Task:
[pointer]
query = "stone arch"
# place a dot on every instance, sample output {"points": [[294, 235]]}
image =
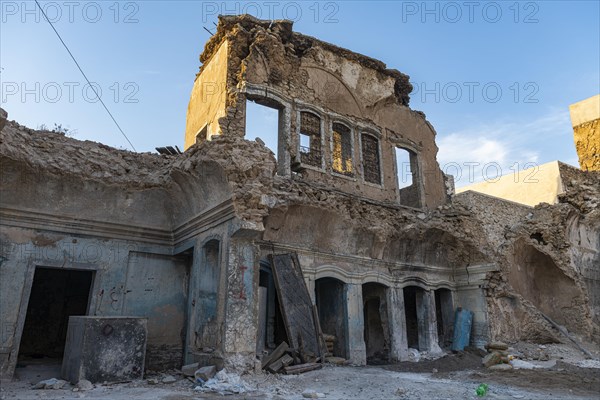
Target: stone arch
{"points": [[327, 85], [331, 302], [536, 276], [376, 323]]}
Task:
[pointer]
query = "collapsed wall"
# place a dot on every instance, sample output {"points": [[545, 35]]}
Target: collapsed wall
{"points": [[549, 258]]}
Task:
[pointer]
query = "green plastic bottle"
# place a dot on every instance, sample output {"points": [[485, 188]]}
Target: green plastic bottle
{"points": [[482, 390]]}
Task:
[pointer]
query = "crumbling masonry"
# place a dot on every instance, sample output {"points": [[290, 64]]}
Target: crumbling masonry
{"points": [[184, 240]]}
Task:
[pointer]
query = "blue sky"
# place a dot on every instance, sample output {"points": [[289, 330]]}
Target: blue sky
{"points": [[494, 78]]}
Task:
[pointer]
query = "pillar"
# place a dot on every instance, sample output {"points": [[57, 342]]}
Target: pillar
{"points": [[397, 324], [356, 349], [241, 324], [427, 322]]}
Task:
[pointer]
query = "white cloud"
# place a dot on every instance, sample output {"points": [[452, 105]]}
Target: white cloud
{"points": [[498, 148]]}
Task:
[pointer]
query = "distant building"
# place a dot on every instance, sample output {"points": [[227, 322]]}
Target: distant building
{"points": [[585, 117], [532, 186]]}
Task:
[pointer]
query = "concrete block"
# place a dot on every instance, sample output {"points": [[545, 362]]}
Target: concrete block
{"points": [[104, 349], [190, 369], [496, 346], [206, 373], [491, 359]]}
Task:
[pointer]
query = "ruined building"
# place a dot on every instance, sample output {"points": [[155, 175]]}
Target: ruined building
{"points": [[185, 240]]}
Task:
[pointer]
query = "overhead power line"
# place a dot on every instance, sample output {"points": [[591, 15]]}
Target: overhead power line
{"points": [[84, 75]]}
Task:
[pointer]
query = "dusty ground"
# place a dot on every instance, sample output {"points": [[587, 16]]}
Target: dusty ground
{"points": [[455, 376]]}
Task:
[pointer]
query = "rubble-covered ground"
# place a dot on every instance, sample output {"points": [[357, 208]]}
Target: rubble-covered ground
{"points": [[555, 371]]}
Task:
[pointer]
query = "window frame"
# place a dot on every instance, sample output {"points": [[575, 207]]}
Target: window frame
{"points": [[377, 135], [319, 115], [351, 127]]}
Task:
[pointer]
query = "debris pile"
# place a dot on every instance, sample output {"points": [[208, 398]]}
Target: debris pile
{"points": [[497, 357]]}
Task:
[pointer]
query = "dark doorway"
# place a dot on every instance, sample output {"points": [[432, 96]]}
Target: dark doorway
{"points": [[412, 322], [271, 331], [55, 295], [376, 323], [331, 306], [444, 311]]}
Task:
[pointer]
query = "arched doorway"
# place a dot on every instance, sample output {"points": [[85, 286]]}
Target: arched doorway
{"points": [[444, 311], [377, 332], [415, 318], [331, 305]]}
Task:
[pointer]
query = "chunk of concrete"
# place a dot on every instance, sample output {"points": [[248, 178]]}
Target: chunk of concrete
{"points": [[91, 338], [496, 346], [501, 367], [84, 385], [169, 379], [312, 394], [206, 373], [491, 359], [336, 360], [520, 364], [190, 369], [52, 383]]}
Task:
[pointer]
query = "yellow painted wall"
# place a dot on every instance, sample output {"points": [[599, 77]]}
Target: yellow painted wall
{"points": [[207, 101], [530, 187], [585, 117], [585, 111]]}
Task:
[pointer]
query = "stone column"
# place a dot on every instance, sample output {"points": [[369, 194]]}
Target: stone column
{"points": [[397, 324], [310, 285], [242, 305], [427, 322], [356, 350]]}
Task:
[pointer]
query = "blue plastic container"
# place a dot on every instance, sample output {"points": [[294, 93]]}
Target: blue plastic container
{"points": [[463, 320]]}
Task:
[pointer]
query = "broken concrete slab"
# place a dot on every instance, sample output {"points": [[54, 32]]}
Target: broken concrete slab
{"points": [[496, 346], [491, 359], [52, 383], [84, 385], [205, 373], [122, 340], [312, 394], [336, 360], [501, 367], [190, 369]]}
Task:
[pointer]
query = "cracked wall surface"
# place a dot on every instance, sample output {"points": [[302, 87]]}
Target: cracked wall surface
{"points": [[212, 213], [269, 63]]}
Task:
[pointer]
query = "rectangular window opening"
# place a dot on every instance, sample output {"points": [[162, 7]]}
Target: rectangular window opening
{"points": [[409, 187], [342, 150], [304, 143], [404, 168], [310, 139], [263, 122], [370, 154]]}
